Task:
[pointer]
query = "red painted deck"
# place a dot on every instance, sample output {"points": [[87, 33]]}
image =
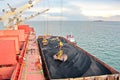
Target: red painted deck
{"points": [[32, 66]]}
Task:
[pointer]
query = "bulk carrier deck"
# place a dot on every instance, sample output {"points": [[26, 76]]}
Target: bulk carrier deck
{"points": [[23, 57], [24, 64], [32, 64]]}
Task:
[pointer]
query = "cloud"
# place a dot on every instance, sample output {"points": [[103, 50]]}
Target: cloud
{"points": [[52, 14], [48, 17], [101, 13], [70, 9], [35, 10], [58, 10], [97, 10], [51, 10], [64, 12]]}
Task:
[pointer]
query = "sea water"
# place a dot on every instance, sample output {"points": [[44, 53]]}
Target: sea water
{"points": [[101, 39]]}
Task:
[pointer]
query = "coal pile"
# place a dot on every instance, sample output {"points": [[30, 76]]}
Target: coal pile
{"points": [[78, 63]]}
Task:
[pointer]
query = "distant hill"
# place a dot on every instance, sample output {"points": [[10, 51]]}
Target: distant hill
{"points": [[98, 20]]}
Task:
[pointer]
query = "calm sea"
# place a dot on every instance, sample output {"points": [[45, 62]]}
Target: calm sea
{"points": [[101, 39]]}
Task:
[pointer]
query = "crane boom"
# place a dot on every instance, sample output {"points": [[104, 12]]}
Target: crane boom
{"points": [[11, 8], [26, 18], [11, 20], [32, 16], [18, 10], [36, 14]]}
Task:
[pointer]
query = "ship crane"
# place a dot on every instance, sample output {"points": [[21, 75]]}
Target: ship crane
{"points": [[14, 12], [18, 21], [8, 14], [11, 8], [32, 16]]}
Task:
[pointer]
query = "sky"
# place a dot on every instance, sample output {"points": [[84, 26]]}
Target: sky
{"points": [[83, 10]]}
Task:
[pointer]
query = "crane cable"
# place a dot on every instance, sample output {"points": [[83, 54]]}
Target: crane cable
{"points": [[61, 15], [48, 3], [44, 21]]}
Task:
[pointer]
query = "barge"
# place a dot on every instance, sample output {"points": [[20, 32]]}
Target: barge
{"points": [[79, 65]]}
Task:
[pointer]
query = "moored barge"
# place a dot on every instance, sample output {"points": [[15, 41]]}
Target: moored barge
{"points": [[79, 65]]}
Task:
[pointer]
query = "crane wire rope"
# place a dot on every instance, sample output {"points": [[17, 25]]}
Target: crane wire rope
{"points": [[48, 5], [61, 17], [44, 20]]}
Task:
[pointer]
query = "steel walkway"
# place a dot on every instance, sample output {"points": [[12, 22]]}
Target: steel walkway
{"points": [[32, 66]]}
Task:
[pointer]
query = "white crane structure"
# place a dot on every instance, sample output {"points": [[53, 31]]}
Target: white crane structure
{"points": [[12, 17]]}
